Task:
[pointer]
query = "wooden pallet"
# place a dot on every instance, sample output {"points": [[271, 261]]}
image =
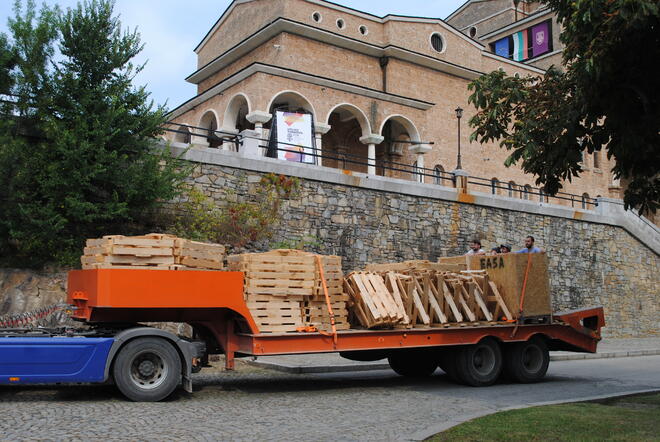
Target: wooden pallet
{"points": [[292, 276], [154, 251], [424, 298]]}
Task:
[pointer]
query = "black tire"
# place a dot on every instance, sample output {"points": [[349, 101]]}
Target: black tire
{"points": [[480, 364], [147, 369], [448, 364], [526, 362], [413, 364]]}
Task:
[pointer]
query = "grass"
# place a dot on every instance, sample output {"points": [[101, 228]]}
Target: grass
{"points": [[630, 418]]}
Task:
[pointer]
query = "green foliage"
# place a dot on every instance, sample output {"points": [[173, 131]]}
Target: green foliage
{"points": [[89, 166], [607, 98], [197, 217], [239, 223], [302, 243]]}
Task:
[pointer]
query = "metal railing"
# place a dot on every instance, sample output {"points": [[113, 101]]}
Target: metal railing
{"points": [[350, 161]]}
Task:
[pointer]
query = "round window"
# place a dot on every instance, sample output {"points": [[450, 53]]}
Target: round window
{"points": [[317, 17], [363, 30], [341, 24], [437, 42]]}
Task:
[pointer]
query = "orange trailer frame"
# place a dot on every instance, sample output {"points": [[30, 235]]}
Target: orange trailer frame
{"points": [[213, 301]]}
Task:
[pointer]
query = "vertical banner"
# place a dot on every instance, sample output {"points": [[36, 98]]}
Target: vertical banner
{"points": [[502, 47], [520, 45], [294, 137], [540, 38]]}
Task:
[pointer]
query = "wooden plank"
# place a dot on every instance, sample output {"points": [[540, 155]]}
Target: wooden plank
{"points": [[420, 307], [433, 303], [438, 299], [468, 310], [500, 301], [384, 293], [377, 297], [201, 263], [482, 305], [450, 301], [365, 296], [396, 294]]}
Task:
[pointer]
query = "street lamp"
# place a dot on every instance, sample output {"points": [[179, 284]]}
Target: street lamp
{"points": [[459, 114]]}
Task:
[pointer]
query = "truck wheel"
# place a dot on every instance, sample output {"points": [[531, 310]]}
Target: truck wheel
{"points": [[413, 364], [480, 364], [147, 369], [526, 362]]}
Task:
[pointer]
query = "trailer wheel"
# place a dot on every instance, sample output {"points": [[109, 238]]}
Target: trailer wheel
{"points": [[526, 362], [479, 364], [147, 369], [413, 364]]}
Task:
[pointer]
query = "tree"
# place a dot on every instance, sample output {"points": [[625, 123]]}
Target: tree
{"points": [[92, 168], [606, 98]]}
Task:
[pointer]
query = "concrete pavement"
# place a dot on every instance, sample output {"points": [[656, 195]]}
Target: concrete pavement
{"points": [[258, 404]]}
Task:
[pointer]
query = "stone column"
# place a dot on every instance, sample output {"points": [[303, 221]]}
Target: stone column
{"points": [[371, 140], [259, 118], [320, 129], [420, 150], [250, 144], [460, 180], [228, 144]]}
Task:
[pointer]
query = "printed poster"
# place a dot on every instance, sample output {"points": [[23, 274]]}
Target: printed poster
{"points": [[294, 137], [520, 45]]}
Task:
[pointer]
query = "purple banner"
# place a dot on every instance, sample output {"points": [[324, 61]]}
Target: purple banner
{"points": [[540, 38]]}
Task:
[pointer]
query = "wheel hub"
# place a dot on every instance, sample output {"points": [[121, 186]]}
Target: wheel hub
{"points": [[146, 368]]}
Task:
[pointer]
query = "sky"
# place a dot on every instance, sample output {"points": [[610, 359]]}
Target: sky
{"points": [[171, 29]]}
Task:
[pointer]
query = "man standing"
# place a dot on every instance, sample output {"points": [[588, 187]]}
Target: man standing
{"points": [[475, 248], [529, 246]]}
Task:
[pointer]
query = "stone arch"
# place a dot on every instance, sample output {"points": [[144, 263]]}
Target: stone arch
{"points": [[294, 100], [408, 125], [355, 112], [234, 118], [399, 134], [208, 125], [182, 135]]}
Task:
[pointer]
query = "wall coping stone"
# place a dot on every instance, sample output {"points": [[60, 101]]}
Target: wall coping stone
{"points": [[609, 211]]}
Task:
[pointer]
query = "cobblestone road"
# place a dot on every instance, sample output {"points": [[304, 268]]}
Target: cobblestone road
{"points": [[258, 404]]}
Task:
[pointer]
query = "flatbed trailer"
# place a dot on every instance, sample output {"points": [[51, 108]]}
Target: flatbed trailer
{"points": [[148, 363]]}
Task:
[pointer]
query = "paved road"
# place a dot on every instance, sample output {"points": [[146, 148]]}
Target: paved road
{"points": [[259, 404]]}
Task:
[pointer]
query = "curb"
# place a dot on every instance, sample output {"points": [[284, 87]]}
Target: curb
{"points": [[299, 369], [439, 428]]}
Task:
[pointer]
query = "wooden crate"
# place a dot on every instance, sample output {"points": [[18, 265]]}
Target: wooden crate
{"points": [[276, 315], [507, 272]]}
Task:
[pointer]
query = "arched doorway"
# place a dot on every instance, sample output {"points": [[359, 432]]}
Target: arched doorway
{"points": [[341, 145], [234, 118], [208, 126], [393, 156], [290, 102]]}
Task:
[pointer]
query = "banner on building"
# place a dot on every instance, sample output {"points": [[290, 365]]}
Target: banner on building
{"points": [[540, 38], [520, 45], [294, 137], [502, 47]]}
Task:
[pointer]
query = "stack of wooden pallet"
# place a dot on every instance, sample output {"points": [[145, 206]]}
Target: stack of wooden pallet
{"points": [[153, 251], [424, 297], [284, 293]]}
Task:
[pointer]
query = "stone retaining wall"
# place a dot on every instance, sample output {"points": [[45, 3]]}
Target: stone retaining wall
{"points": [[590, 263]]}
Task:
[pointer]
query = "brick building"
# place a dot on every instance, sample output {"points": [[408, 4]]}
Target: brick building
{"points": [[382, 91]]}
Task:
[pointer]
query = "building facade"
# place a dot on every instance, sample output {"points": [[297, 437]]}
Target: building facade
{"points": [[382, 91]]}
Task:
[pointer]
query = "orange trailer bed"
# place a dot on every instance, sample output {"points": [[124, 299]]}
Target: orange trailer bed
{"points": [[213, 301]]}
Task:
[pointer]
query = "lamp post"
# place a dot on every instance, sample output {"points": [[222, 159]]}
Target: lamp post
{"points": [[459, 114]]}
